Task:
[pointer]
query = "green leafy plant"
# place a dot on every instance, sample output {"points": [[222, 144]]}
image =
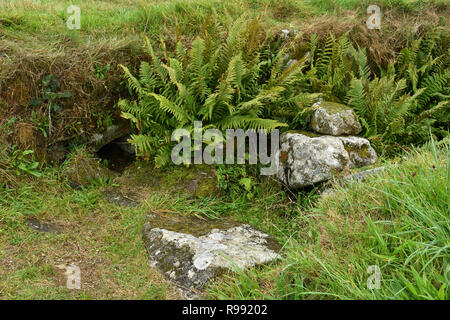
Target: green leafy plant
{"points": [[226, 84], [391, 111], [41, 123], [50, 95], [397, 106], [425, 64], [100, 70], [332, 64], [23, 162], [236, 181], [331, 67]]}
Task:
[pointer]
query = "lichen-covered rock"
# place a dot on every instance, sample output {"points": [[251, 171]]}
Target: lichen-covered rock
{"points": [[190, 251], [362, 175], [304, 161], [360, 151], [334, 119]]}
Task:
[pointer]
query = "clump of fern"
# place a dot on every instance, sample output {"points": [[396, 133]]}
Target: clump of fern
{"points": [[404, 103], [225, 83], [425, 65], [331, 66], [398, 106]]}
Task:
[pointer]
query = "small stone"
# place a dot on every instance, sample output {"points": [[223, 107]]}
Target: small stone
{"points": [[334, 119], [360, 151]]}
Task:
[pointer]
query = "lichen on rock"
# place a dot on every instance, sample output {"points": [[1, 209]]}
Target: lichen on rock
{"points": [[191, 251], [310, 160], [360, 151], [305, 161], [334, 119]]}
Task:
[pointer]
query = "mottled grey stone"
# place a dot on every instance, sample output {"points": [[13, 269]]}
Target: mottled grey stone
{"points": [[304, 161], [190, 251], [334, 119], [360, 151]]}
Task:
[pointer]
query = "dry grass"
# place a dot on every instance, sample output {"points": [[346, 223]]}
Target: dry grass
{"points": [[74, 67], [382, 45]]}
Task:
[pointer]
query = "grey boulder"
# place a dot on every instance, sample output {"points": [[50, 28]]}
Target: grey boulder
{"points": [[304, 161], [334, 119]]}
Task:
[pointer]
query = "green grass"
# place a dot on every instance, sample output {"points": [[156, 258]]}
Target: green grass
{"points": [[398, 221], [124, 18], [103, 239]]}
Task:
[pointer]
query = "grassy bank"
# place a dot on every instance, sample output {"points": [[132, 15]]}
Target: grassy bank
{"points": [[398, 222], [59, 86], [35, 43]]}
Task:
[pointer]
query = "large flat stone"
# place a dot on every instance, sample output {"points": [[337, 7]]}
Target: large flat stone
{"points": [[191, 251]]}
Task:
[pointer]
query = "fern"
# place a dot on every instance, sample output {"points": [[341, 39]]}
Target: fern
{"points": [[235, 76], [226, 84]]}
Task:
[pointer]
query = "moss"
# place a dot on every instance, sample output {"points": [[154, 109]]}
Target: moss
{"points": [[305, 133], [333, 107], [206, 187], [363, 152], [196, 180]]}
